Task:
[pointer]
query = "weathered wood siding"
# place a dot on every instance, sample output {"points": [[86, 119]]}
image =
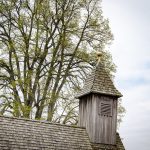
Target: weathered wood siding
{"points": [[101, 129], [87, 115]]}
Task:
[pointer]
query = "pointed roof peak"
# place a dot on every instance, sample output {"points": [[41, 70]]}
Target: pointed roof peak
{"points": [[99, 82], [99, 56]]}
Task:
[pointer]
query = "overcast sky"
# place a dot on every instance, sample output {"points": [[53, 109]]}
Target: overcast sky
{"points": [[130, 24]]}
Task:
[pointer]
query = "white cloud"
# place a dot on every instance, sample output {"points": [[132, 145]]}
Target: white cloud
{"points": [[130, 23], [136, 124]]}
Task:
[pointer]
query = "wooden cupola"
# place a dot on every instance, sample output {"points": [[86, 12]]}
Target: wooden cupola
{"points": [[98, 106]]}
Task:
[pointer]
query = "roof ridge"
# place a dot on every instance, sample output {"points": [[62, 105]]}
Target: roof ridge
{"points": [[97, 67], [93, 78], [41, 121]]}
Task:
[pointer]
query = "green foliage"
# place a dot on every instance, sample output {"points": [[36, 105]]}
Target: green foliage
{"points": [[121, 111], [46, 50]]}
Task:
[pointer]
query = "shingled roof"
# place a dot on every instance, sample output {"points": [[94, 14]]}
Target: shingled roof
{"points": [[118, 146], [99, 82], [16, 134]]}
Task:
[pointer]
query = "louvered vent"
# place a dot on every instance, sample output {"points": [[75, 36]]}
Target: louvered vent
{"points": [[105, 109]]}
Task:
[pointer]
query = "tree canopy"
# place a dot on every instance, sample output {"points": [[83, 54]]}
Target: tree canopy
{"points": [[47, 48]]}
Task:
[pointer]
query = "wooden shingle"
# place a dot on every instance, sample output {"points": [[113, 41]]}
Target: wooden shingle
{"points": [[118, 146], [99, 82], [16, 134], [24, 134]]}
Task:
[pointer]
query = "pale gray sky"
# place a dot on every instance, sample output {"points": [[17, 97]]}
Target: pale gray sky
{"points": [[130, 24]]}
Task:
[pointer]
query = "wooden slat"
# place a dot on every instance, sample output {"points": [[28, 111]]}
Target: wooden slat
{"points": [[101, 128], [105, 109]]}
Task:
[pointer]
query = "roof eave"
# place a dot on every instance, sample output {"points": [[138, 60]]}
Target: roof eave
{"points": [[96, 92]]}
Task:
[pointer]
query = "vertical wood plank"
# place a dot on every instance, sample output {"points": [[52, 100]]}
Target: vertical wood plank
{"points": [[101, 129]]}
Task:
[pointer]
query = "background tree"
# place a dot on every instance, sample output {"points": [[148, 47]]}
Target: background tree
{"points": [[47, 48]]}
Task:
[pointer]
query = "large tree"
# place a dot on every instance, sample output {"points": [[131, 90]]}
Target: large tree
{"points": [[46, 50]]}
